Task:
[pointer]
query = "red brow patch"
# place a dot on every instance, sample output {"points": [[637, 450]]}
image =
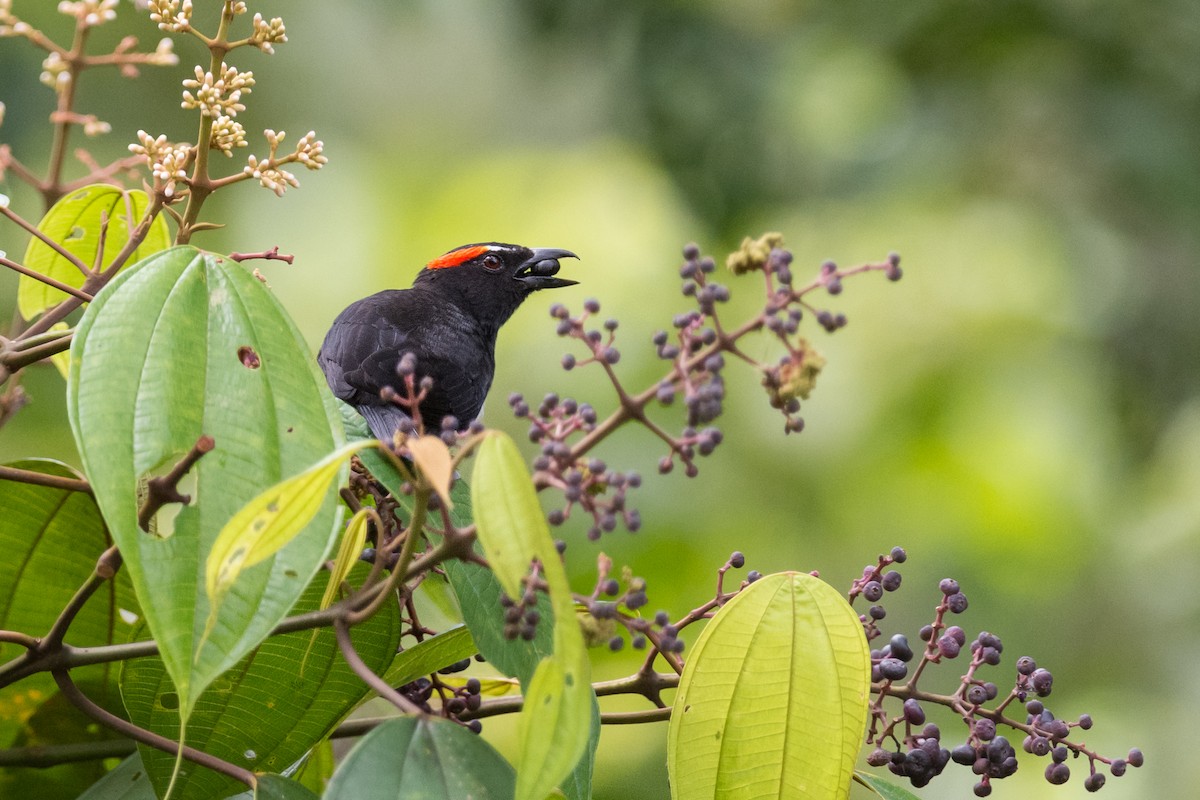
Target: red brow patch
{"points": [[456, 257]]}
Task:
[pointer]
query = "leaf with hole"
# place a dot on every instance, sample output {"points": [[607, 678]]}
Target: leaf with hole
{"points": [[157, 361], [75, 222]]}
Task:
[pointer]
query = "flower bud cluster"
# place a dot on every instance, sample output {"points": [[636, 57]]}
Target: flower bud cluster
{"points": [[218, 95], [171, 15], [168, 162], [309, 152], [268, 33], [90, 13]]}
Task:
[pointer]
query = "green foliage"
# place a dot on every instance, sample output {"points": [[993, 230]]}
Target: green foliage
{"points": [[276, 787], [554, 727], [885, 789], [51, 538], [269, 709], [143, 389], [75, 222], [126, 781], [422, 759], [773, 700]]}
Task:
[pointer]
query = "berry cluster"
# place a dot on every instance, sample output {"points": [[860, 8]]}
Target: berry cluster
{"points": [[456, 700], [696, 349], [586, 483], [521, 617], [609, 605], [910, 747]]}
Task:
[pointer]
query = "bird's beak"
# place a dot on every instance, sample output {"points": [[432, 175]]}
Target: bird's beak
{"points": [[540, 270]]}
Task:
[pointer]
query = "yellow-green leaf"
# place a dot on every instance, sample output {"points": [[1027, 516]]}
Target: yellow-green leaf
{"points": [[432, 457], [353, 541], [270, 521], [555, 723], [75, 222], [773, 698], [61, 361]]}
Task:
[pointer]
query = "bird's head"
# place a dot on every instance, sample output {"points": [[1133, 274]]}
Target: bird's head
{"points": [[490, 280]]}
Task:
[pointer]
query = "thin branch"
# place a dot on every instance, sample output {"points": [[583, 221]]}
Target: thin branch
{"points": [[46, 279], [106, 567], [32, 230], [51, 755], [366, 674], [20, 357], [16, 637], [112, 721], [42, 479], [266, 255], [165, 489]]}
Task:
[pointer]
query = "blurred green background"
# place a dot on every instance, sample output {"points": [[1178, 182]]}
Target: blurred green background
{"points": [[1022, 411]]}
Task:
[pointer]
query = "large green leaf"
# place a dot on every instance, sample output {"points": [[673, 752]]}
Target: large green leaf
{"points": [[277, 787], [431, 655], [74, 222], [266, 525], [479, 595], [423, 758], [270, 709], [885, 789], [555, 723], [50, 539], [773, 698], [185, 344], [127, 781]]}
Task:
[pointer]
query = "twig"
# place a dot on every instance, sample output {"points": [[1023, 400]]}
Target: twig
{"points": [[42, 479], [368, 676], [266, 255], [33, 230], [165, 489], [46, 279], [106, 567], [108, 720]]}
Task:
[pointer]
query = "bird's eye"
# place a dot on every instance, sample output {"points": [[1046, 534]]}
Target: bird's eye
{"points": [[492, 262]]}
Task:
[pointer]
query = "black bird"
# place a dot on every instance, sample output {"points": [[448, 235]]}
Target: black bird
{"points": [[448, 320]]}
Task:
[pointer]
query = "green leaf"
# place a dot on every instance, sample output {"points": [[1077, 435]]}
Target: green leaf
{"points": [[885, 789], [271, 709], [162, 356], [74, 222], [479, 595], [277, 787], [267, 523], [578, 785], [555, 722], [431, 655], [423, 758], [773, 698], [512, 527], [51, 539], [317, 768], [127, 781]]}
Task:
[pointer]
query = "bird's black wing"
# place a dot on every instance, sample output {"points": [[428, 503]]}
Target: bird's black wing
{"points": [[359, 358]]}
